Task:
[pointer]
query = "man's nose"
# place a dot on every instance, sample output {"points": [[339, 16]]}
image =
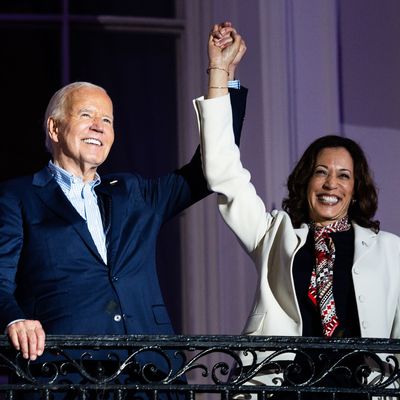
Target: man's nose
{"points": [[97, 125]]}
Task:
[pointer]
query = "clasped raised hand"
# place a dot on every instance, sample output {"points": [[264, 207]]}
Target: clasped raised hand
{"points": [[225, 47]]}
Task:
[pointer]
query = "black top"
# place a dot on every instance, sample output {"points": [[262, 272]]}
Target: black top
{"points": [[343, 288]]}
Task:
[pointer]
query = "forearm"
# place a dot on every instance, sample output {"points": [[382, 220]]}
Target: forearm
{"points": [[218, 76], [239, 204], [193, 172], [220, 155]]}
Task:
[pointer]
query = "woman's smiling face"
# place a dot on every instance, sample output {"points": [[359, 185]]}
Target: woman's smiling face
{"points": [[331, 186]]}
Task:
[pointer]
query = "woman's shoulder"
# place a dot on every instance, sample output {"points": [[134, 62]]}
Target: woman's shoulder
{"points": [[281, 220], [280, 215], [384, 235], [389, 241], [381, 235]]}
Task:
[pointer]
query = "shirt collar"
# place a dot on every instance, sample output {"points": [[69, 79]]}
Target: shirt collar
{"points": [[66, 179]]}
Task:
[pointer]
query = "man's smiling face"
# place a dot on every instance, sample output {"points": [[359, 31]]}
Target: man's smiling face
{"points": [[83, 139]]}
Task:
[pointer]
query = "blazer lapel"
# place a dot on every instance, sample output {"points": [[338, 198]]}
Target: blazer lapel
{"points": [[364, 240], [53, 197], [302, 233]]}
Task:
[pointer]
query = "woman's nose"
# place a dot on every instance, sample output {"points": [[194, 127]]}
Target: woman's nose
{"points": [[330, 182]]}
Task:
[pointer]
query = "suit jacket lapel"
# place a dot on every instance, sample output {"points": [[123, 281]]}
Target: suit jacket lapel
{"points": [[113, 197], [53, 197], [105, 206]]}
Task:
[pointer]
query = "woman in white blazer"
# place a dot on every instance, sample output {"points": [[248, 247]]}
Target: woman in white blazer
{"points": [[325, 268]]}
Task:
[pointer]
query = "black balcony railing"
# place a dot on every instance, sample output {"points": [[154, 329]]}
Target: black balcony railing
{"points": [[126, 367]]}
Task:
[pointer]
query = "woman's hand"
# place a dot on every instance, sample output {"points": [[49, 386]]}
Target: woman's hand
{"points": [[224, 46], [222, 38]]}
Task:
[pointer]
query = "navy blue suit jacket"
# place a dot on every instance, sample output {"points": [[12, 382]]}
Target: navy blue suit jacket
{"points": [[50, 269]]}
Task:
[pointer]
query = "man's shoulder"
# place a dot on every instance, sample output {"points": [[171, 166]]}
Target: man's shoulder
{"points": [[120, 177], [26, 184], [130, 183], [16, 189], [125, 181], [20, 182]]}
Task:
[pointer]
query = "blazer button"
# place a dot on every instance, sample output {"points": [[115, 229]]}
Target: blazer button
{"points": [[117, 318], [115, 278]]}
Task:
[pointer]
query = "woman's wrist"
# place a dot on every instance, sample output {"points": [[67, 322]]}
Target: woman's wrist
{"points": [[217, 83], [218, 68]]}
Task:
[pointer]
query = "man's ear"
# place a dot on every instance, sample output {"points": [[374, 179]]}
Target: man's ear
{"points": [[53, 129]]}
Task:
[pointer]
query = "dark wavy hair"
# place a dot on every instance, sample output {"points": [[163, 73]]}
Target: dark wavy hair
{"points": [[361, 210]]}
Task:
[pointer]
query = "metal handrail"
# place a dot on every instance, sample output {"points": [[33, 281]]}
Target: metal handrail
{"points": [[227, 365]]}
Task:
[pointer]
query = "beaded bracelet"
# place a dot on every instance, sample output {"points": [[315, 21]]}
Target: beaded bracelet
{"points": [[218, 87]]}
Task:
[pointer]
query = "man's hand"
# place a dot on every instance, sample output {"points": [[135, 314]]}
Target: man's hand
{"points": [[27, 336], [237, 59]]}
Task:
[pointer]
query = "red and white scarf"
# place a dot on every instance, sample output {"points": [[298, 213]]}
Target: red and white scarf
{"points": [[320, 290]]}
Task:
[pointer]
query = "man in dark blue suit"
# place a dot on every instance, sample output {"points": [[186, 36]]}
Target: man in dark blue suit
{"points": [[77, 252]]}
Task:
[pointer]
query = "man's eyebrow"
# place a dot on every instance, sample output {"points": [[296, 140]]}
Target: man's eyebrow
{"points": [[91, 110], [85, 109]]}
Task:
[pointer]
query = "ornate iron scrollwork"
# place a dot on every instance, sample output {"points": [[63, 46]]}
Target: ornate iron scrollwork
{"points": [[215, 364]]}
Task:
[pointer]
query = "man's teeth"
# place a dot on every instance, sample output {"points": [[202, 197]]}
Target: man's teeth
{"points": [[92, 141], [328, 199]]}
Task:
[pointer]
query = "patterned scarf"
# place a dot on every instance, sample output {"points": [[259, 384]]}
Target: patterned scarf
{"points": [[320, 290]]}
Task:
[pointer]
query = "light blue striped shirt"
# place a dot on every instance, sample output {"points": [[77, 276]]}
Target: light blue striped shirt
{"points": [[84, 199], [235, 84]]}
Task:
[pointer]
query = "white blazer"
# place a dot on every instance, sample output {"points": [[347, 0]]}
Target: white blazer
{"points": [[272, 242]]}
